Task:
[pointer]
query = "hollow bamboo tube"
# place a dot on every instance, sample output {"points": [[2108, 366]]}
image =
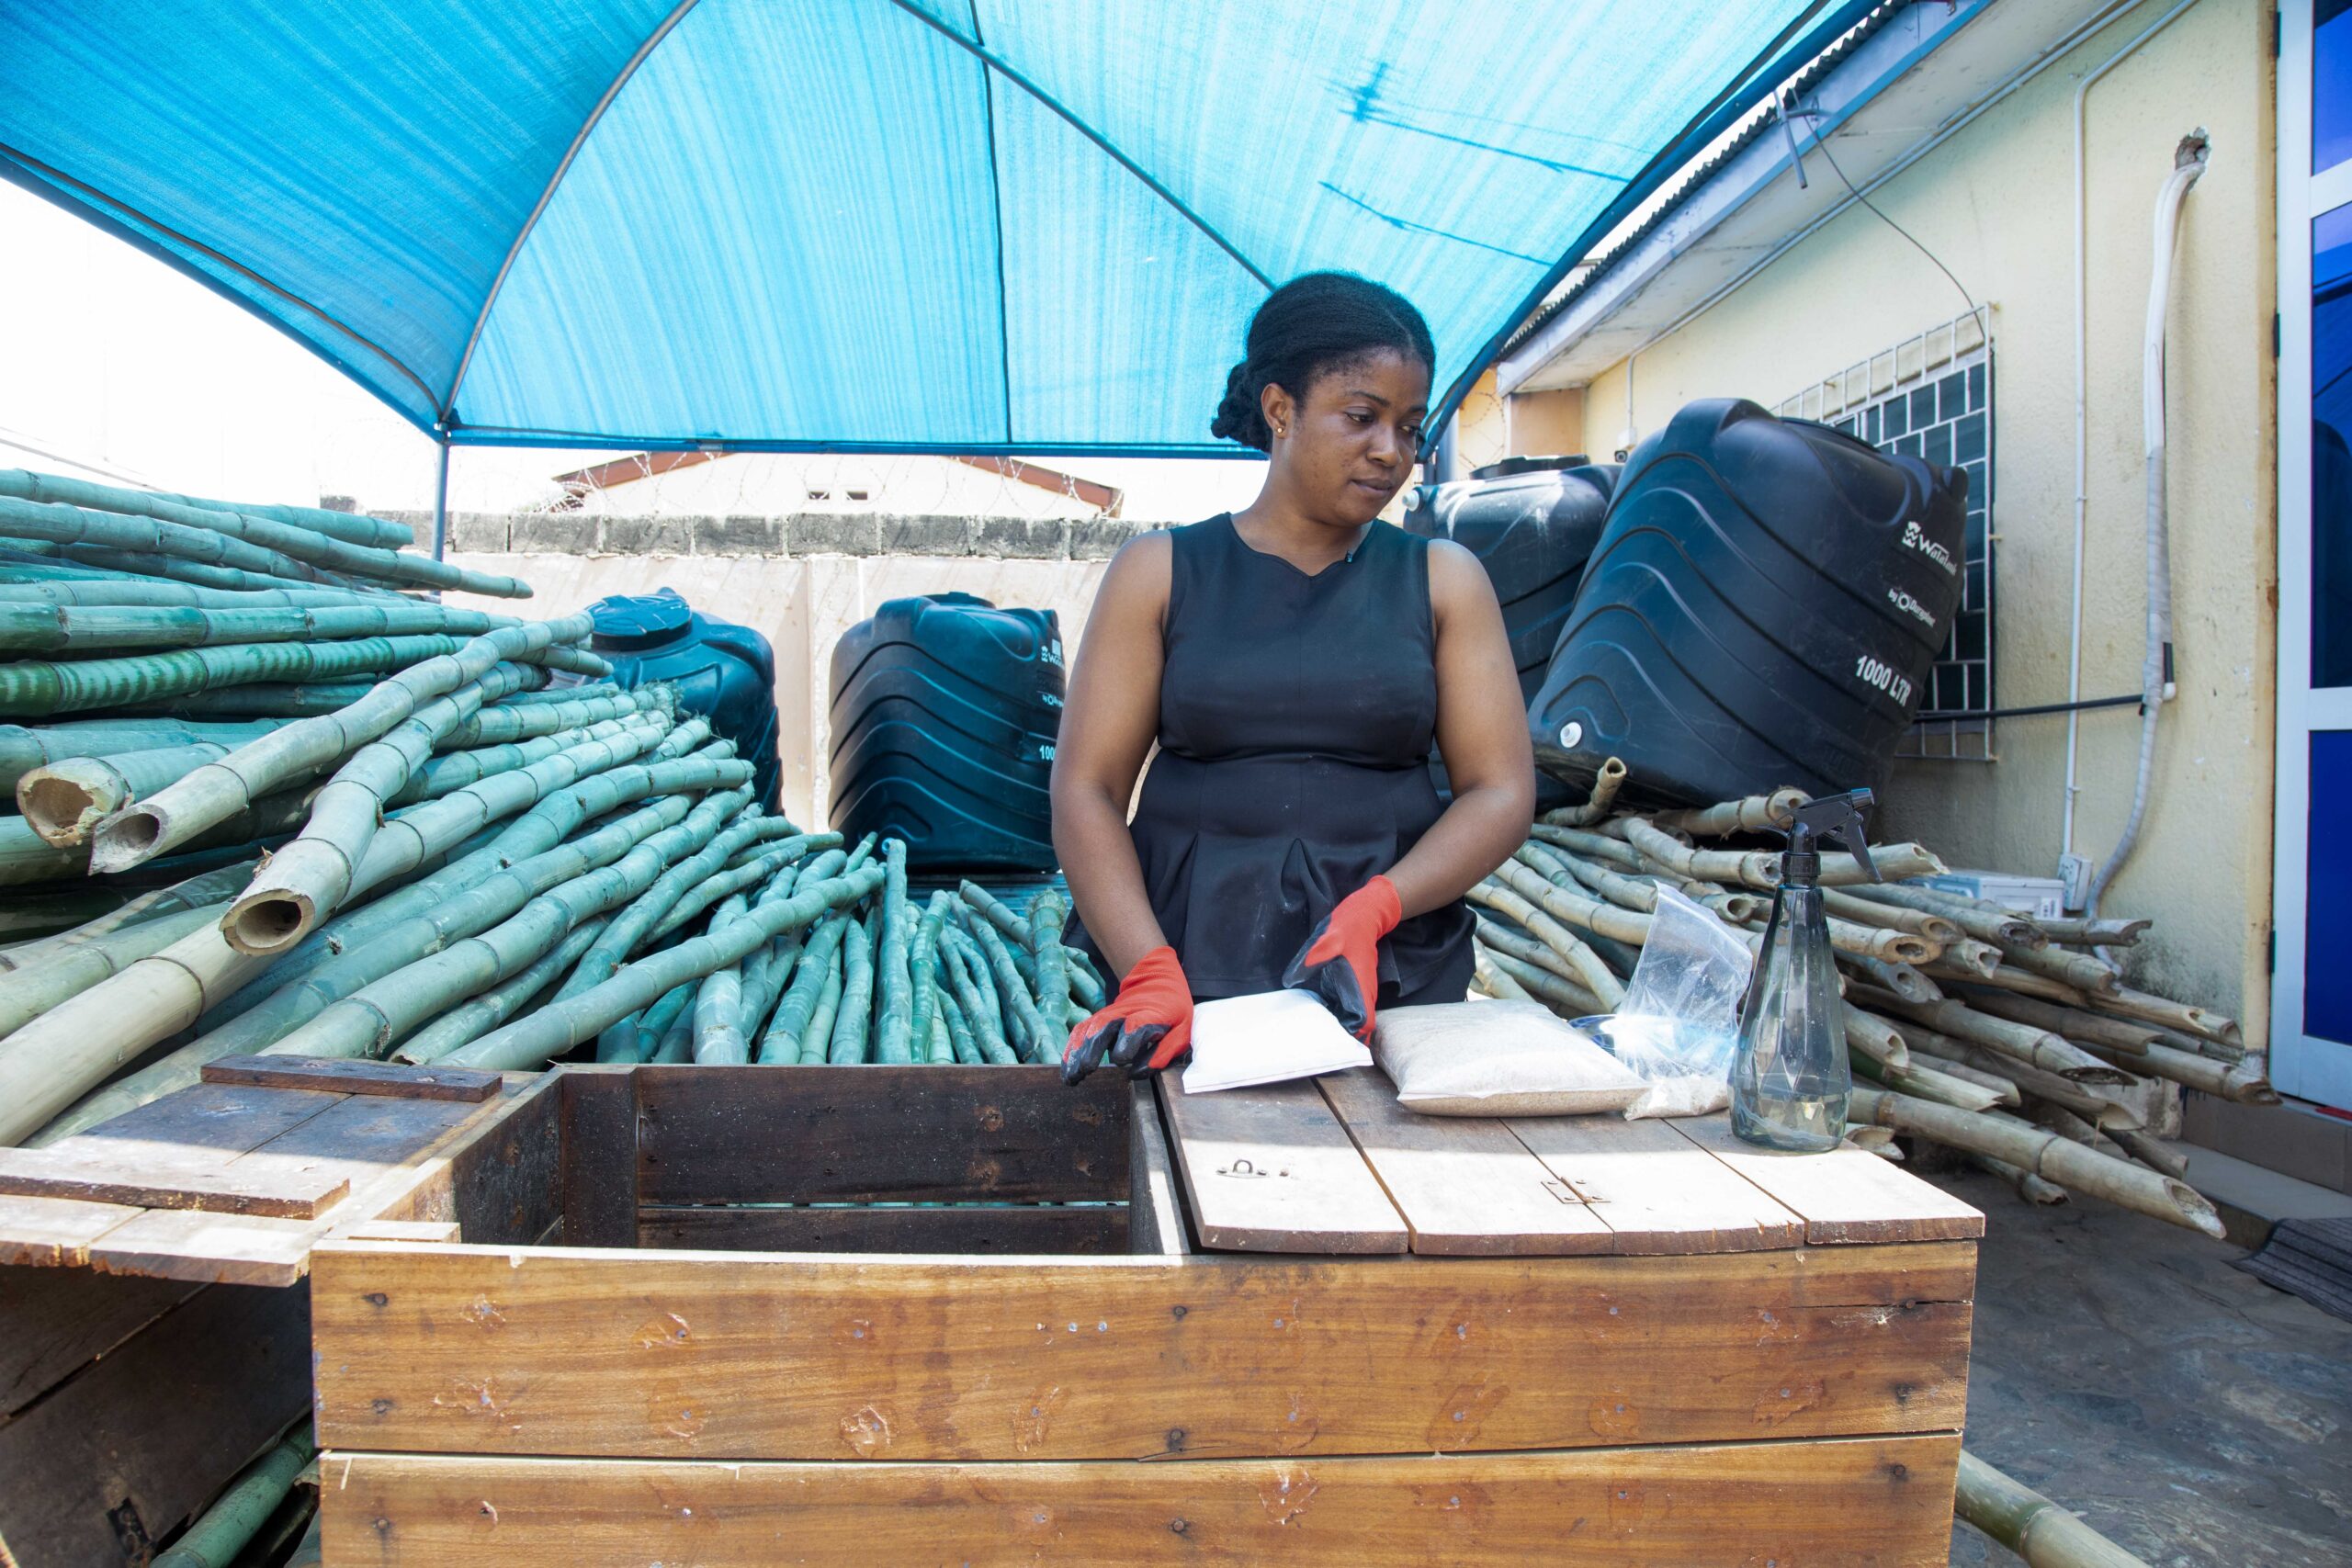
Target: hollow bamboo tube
{"points": [[850, 1039], [2150, 1151], [2074, 1023], [1048, 916], [2227, 1080], [1736, 868], [473, 1018], [2079, 932], [1605, 785], [2010, 978], [968, 983], [2029, 1524], [789, 1033], [676, 1043], [22, 749], [1492, 980], [894, 1036], [1928, 1083], [2039, 1082], [2203, 1023], [190, 893], [109, 628], [1579, 964], [1894, 917], [1563, 997], [1575, 911], [2023, 1042], [2030, 1187], [27, 993], [1025, 1028], [718, 1005], [1976, 920], [532, 1039], [354, 527], [1901, 979], [2080, 970], [1751, 814], [494, 726], [1612, 852], [1084, 984], [2045, 1153], [1563, 868], [1869, 1035], [224, 1530], [1517, 944]]}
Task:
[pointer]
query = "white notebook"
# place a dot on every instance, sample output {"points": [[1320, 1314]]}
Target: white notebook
{"points": [[1267, 1038]]}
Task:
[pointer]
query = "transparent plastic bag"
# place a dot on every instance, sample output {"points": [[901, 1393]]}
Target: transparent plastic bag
{"points": [[1679, 1025]]}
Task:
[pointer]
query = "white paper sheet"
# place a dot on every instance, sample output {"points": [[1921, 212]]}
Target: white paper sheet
{"points": [[1267, 1038]]}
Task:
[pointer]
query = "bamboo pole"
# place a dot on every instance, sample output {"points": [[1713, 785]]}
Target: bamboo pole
{"points": [[1926, 1083], [1563, 997], [2023, 1042], [472, 1020], [894, 1037], [1869, 1035], [1596, 808], [1493, 981], [2074, 1023], [961, 1040], [39, 688], [253, 700], [1614, 854], [967, 974], [2046, 1154], [2149, 1151], [718, 1005], [1574, 910], [1024, 1028], [2203, 1023], [2079, 933], [2040, 1083], [222, 1531], [2030, 1187], [850, 1041], [110, 628], [1984, 924], [2029, 1524], [354, 528], [791, 1030], [1894, 917], [530, 1041], [22, 749], [508, 722], [1047, 915], [29, 992], [1576, 962], [1775, 812], [1084, 983], [188, 893], [2234, 1082], [63, 801], [1900, 978], [2080, 970]]}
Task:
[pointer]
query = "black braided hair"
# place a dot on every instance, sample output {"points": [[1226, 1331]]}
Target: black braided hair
{"points": [[1315, 322]]}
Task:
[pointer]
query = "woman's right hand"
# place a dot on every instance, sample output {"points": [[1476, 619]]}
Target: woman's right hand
{"points": [[1145, 1027]]}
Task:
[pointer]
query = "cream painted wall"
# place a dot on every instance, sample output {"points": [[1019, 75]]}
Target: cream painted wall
{"points": [[801, 604], [1995, 204]]}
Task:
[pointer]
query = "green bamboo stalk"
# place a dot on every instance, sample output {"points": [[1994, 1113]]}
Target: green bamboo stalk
{"points": [[748, 871], [582, 692], [718, 1022], [829, 1005], [863, 853], [392, 1003], [764, 972], [941, 1045], [310, 879], [261, 699], [82, 629], [1084, 983], [188, 893], [894, 1037], [2042, 1534], [37, 688], [67, 526], [655, 1022], [852, 1025], [962, 1045], [64, 800], [23, 749], [148, 564], [1025, 1030], [24, 858], [1046, 919], [222, 1532], [27, 993], [166, 818], [676, 1044], [967, 978], [92, 589], [559, 1026], [452, 771], [976, 963], [355, 528], [924, 963], [636, 925], [387, 947], [509, 722], [262, 540], [783, 1042], [472, 1020]]}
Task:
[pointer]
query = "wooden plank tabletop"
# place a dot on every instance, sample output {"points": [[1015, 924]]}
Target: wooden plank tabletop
{"points": [[222, 1182], [1846, 1195], [1271, 1170]]}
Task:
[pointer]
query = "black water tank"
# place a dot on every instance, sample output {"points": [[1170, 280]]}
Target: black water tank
{"points": [[944, 714], [1761, 609], [1533, 525], [723, 671]]}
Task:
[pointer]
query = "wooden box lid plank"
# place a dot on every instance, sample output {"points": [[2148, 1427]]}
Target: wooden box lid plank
{"points": [[1271, 1170], [1846, 1195], [342, 1076], [145, 1175], [55, 1232], [229, 1250], [1465, 1185], [1657, 1191]]}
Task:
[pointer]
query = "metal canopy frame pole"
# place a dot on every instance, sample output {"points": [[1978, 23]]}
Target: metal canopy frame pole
{"points": [[441, 502]]}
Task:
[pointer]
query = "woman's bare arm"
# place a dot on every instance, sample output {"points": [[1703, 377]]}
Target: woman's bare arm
{"points": [[1108, 726], [1482, 735]]}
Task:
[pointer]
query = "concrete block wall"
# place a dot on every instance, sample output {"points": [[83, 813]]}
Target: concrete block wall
{"points": [[800, 581]]}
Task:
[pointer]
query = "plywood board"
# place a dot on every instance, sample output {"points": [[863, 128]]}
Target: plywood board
{"points": [[1843, 1196], [339, 1076], [1885, 1501], [1465, 1185], [905, 1133], [973, 1230], [757, 1355], [1271, 1170], [1654, 1188]]}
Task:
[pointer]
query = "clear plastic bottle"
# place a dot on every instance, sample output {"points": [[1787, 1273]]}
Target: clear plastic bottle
{"points": [[1790, 1082]]}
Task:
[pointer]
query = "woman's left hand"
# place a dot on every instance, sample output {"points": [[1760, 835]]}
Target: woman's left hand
{"points": [[1340, 962]]}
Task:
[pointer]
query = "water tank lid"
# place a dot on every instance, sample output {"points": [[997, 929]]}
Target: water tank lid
{"points": [[630, 621]]}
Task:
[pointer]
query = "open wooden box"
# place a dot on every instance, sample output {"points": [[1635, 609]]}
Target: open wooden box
{"points": [[760, 1315]]}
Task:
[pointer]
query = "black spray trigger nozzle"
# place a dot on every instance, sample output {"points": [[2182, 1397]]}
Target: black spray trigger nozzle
{"points": [[1835, 816]]}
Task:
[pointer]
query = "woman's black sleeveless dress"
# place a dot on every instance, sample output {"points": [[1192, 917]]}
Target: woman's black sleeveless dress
{"points": [[1295, 719]]}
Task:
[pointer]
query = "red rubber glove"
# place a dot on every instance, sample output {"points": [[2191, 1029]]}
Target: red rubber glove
{"points": [[1148, 1026], [1340, 962]]}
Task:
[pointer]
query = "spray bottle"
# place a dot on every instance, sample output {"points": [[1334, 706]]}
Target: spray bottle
{"points": [[1789, 1079]]}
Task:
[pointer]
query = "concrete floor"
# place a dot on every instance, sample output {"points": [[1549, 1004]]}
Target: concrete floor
{"points": [[2184, 1409]]}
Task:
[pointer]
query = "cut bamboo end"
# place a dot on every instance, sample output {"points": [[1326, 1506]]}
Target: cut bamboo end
{"points": [[65, 802], [128, 839], [262, 924]]}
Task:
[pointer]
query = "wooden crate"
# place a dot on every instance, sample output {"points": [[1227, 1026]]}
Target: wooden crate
{"points": [[745, 1348]]}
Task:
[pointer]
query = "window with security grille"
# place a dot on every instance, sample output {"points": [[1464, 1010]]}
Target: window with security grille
{"points": [[1931, 397]]}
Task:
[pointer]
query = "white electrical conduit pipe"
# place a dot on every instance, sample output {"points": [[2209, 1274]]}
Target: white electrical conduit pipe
{"points": [[2188, 164], [2082, 429]]}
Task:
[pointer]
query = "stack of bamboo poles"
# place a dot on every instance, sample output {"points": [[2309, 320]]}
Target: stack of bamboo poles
{"points": [[2013, 1039]]}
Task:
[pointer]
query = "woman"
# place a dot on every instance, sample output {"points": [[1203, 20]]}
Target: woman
{"points": [[1293, 661]]}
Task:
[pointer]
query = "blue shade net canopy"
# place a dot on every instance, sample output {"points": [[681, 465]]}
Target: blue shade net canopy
{"points": [[893, 225]]}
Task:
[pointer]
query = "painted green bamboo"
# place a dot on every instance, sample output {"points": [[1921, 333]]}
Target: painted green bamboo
{"points": [[894, 1036], [942, 1046], [355, 528], [676, 1043], [1084, 983], [853, 1031], [962, 1043], [224, 1530], [1023, 1029], [148, 564], [748, 871], [391, 1003], [653, 1024], [821, 1021], [24, 858], [261, 699], [510, 722], [91, 589], [190, 893], [452, 771], [375, 949], [968, 983], [171, 815], [976, 963], [719, 1006], [310, 879], [66, 799], [27, 993], [585, 691], [782, 1043], [635, 926], [764, 972], [82, 629], [64, 510], [472, 1020], [1046, 917], [556, 1028], [924, 963], [37, 688], [863, 853], [23, 749]]}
